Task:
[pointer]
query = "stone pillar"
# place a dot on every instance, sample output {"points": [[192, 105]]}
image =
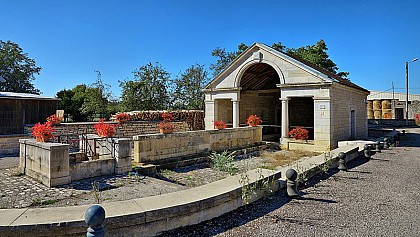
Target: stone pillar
{"points": [[323, 138], [122, 155], [235, 111], [211, 113], [285, 117]]}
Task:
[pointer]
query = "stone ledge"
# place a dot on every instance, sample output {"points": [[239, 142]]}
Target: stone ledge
{"points": [[148, 216]]}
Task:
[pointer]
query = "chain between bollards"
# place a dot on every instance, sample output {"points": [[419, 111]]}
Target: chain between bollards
{"points": [[94, 217], [291, 184]]}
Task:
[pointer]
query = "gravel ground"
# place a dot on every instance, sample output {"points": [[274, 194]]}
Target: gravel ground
{"points": [[379, 197], [19, 191]]}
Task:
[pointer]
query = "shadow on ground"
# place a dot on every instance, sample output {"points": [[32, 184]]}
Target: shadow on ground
{"points": [[257, 209]]}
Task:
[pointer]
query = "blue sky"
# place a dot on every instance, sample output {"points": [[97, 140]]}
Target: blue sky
{"points": [[70, 39]]}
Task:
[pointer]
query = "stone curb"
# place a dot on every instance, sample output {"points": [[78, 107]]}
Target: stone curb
{"points": [[145, 216]]}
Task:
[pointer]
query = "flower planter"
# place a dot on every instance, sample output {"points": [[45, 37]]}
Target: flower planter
{"points": [[166, 131], [106, 134], [43, 138]]}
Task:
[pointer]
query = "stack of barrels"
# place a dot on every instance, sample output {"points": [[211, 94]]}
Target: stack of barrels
{"points": [[370, 109], [386, 109], [379, 109]]}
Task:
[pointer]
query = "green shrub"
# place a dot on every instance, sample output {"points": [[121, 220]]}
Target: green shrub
{"points": [[224, 162]]}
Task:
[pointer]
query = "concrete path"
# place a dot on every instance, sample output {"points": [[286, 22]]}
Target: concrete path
{"points": [[379, 197]]}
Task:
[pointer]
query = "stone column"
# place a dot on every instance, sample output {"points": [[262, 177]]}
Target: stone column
{"points": [[285, 117], [211, 113], [235, 111]]}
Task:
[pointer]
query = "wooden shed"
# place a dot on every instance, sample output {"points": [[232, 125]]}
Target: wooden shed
{"points": [[18, 109]]}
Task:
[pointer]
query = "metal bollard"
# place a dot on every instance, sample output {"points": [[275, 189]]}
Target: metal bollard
{"points": [[386, 144], [342, 161], [366, 151], [403, 131], [94, 217], [291, 186], [377, 147]]}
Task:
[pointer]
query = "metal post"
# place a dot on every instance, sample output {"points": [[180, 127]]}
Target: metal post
{"points": [[342, 161], [406, 87], [367, 151], [291, 185], [94, 217]]}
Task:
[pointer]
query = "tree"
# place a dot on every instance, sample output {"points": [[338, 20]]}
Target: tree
{"points": [[316, 54], [225, 58], [17, 69], [97, 99], [188, 85], [147, 90]]}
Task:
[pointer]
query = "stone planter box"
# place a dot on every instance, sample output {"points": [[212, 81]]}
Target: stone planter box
{"points": [[50, 164]]}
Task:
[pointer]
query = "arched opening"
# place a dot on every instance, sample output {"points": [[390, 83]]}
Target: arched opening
{"points": [[260, 96]]}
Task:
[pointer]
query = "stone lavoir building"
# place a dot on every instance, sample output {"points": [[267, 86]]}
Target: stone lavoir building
{"points": [[287, 92]]}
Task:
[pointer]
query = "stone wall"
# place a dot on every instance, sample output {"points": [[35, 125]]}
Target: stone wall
{"points": [[9, 144], [128, 129], [345, 100], [49, 162], [160, 148]]}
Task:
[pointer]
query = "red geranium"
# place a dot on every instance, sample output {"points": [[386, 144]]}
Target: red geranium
{"points": [[219, 124], [167, 116], [299, 133], [253, 120], [43, 132], [105, 129]]}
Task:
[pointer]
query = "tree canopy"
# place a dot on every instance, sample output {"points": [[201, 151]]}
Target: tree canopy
{"points": [[147, 90], [316, 54], [188, 93], [17, 69]]}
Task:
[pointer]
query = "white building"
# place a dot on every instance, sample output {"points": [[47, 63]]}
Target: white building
{"points": [[286, 92]]}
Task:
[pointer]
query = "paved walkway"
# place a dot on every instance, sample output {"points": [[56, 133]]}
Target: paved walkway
{"points": [[379, 197]]}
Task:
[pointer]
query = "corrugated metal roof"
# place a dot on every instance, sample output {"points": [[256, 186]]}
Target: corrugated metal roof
{"points": [[380, 95], [24, 96]]}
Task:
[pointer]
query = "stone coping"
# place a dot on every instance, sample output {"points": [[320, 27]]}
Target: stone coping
{"points": [[45, 145]]}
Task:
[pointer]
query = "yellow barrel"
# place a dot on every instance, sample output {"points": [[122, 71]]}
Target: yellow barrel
{"points": [[377, 114], [370, 105], [377, 105], [370, 114], [386, 104], [387, 113]]}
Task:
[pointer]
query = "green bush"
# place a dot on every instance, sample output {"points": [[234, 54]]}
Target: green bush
{"points": [[224, 162]]}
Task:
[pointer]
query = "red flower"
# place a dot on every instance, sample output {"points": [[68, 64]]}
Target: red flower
{"points": [[253, 120], [167, 116], [45, 129], [54, 119], [105, 129], [299, 133], [219, 124]]}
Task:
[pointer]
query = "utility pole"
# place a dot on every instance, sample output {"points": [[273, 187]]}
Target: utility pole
{"points": [[406, 86]]}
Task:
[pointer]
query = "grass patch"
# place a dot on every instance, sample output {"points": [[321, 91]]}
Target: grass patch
{"points": [[284, 158]]}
